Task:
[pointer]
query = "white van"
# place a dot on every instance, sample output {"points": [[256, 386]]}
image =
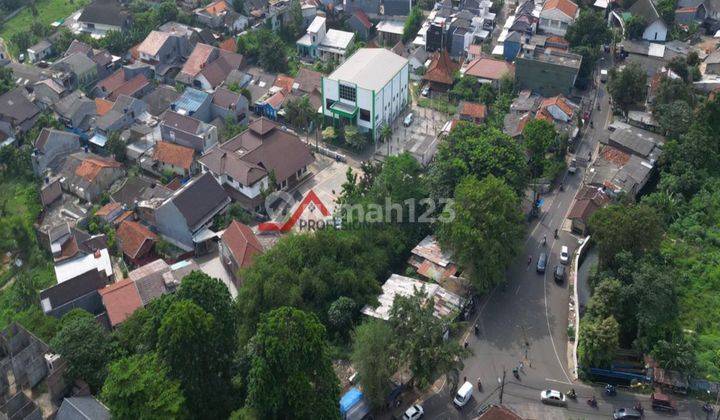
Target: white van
{"points": [[408, 120], [463, 395]]}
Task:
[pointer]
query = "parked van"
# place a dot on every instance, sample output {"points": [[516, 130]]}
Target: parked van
{"points": [[463, 395], [408, 120]]}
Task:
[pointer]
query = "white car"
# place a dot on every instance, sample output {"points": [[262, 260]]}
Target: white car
{"points": [[413, 413], [408, 120], [425, 91], [564, 255], [553, 397]]}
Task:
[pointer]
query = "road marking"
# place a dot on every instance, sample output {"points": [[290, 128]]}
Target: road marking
{"points": [[518, 289], [558, 381]]}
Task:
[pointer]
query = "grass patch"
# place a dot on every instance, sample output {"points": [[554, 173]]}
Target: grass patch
{"points": [[48, 11], [18, 197], [437, 105]]}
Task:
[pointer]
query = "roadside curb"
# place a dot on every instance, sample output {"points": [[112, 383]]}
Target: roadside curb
{"points": [[574, 311]]}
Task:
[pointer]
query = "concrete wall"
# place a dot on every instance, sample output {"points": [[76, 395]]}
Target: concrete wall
{"points": [[172, 225]]}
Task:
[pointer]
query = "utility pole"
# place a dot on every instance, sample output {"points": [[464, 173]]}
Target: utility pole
{"points": [[502, 386]]}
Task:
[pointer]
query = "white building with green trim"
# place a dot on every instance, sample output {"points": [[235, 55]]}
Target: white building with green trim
{"points": [[368, 90]]}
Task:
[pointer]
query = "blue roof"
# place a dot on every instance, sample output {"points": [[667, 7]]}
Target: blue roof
{"points": [[350, 398], [191, 99]]}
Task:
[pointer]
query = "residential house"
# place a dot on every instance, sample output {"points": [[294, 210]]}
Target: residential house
{"points": [[164, 51], [440, 74], [120, 300], [83, 68], [40, 51], [104, 61], [244, 164], [207, 67], [371, 7], [587, 201], [110, 213], [160, 98], [557, 15], [51, 148], [85, 407], [238, 247], [396, 7], [76, 111], [221, 15], [174, 158], [17, 111], [307, 83], [655, 28], [712, 63], [389, 32], [131, 80], [270, 105], [188, 131], [78, 280], [88, 176], [319, 43], [547, 71], [48, 92], [369, 89], [360, 24], [120, 116], [194, 103], [488, 70], [309, 9], [185, 218], [447, 304], [102, 16], [432, 262], [50, 191], [418, 59], [558, 108], [255, 80], [472, 112], [227, 104], [136, 242], [636, 141]]}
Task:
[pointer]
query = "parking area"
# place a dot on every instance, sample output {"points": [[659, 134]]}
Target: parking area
{"points": [[419, 138]]}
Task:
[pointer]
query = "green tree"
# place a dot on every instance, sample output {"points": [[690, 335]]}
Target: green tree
{"points": [[299, 113], [479, 151], [341, 315], [420, 334], [486, 231], [538, 135], [635, 26], [412, 23], [167, 12], [7, 81], [677, 354], [598, 341], [589, 29], [628, 86], [137, 387], [354, 138], [674, 118], [666, 9], [188, 346], [294, 23], [373, 356], [637, 229], [86, 347], [606, 299], [291, 373], [116, 147]]}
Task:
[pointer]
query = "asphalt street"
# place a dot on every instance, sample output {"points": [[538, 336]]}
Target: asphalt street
{"points": [[525, 322]]}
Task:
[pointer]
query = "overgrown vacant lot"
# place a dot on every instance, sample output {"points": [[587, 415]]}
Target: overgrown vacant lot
{"points": [[48, 11]]}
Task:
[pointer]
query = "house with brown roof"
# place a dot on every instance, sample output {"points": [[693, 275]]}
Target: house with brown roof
{"points": [[557, 15], [220, 14], [207, 67], [17, 110], [587, 201], [121, 300], [488, 70], [110, 212], [473, 112], [440, 73], [228, 104], [188, 131], [360, 23], [136, 242], [128, 80], [238, 247], [163, 51], [244, 163], [559, 108], [88, 175], [173, 158]]}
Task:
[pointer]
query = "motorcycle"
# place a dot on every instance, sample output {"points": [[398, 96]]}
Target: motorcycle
{"points": [[610, 390], [592, 402], [639, 408], [477, 329], [707, 408], [572, 395], [556, 233], [516, 373], [479, 385]]}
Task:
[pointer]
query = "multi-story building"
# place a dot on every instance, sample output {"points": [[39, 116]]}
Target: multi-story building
{"points": [[368, 90], [546, 71]]}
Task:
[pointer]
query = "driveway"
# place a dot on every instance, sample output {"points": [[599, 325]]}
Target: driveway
{"points": [[213, 267], [419, 139]]}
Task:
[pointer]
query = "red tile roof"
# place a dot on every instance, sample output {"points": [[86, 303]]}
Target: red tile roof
{"points": [[276, 100], [560, 102], [113, 81], [242, 243], [107, 209], [103, 106], [174, 154], [135, 239], [284, 82], [474, 110], [218, 7], [363, 18], [441, 69], [90, 167], [121, 299], [566, 6], [153, 42], [131, 87], [228, 45], [198, 59], [488, 68]]}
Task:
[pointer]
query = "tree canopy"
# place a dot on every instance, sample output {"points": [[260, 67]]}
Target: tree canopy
{"points": [[628, 86], [374, 357]]}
